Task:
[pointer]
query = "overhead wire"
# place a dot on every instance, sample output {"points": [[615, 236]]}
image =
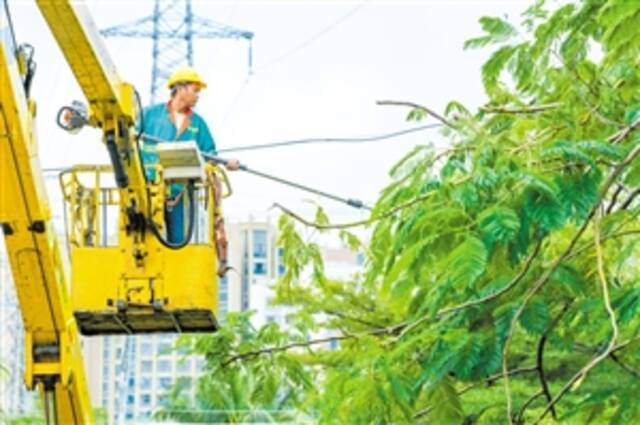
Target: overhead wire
{"points": [[332, 140], [345, 140], [313, 38]]}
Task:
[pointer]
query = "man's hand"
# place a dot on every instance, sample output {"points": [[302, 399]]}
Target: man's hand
{"points": [[232, 165]]}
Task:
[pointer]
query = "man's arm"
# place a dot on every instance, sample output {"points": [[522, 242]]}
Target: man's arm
{"points": [[208, 145]]}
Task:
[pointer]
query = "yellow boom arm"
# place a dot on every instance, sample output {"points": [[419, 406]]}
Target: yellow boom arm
{"points": [[112, 105], [53, 357]]}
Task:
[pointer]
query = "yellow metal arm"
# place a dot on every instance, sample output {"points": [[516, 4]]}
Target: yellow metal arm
{"points": [[53, 357], [112, 102]]}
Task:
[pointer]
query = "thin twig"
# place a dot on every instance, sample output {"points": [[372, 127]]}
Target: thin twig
{"points": [[351, 318], [614, 198], [582, 373], [526, 110], [622, 134], [423, 108], [286, 347], [448, 310], [540, 358], [624, 366], [367, 221], [487, 381], [630, 199], [390, 330], [526, 404]]}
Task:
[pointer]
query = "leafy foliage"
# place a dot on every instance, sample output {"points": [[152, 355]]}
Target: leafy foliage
{"points": [[480, 258]]}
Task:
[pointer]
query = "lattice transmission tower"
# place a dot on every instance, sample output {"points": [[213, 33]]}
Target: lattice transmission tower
{"points": [[173, 27]]}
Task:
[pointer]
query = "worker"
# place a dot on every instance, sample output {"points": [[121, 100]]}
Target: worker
{"points": [[176, 121]]}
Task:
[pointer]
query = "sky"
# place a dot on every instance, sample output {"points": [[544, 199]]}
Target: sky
{"points": [[318, 69]]}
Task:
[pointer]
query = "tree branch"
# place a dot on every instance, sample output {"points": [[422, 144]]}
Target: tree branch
{"points": [[540, 360], [352, 319], [487, 381], [369, 220], [582, 373], [630, 199], [624, 366], [390, 330], [434, 114], [614, 198], [519, 417], [622, 134], [556, 263], [512, 284], [271, 350], [526, 110]]}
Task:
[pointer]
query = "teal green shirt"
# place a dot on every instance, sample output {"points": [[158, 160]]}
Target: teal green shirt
{"points": [[157, 123]]}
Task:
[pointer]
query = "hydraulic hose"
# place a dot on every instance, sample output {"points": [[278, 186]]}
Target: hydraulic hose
{"points": [[190, 229]]}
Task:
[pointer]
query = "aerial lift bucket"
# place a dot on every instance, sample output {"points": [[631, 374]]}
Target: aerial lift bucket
{"points": [[121, 286]]}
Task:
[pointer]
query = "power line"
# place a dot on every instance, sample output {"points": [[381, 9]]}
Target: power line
{"points": [[304, 141], [332, 140], [313, 38]]}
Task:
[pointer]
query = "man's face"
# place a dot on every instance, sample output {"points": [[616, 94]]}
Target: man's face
{"points": [[190, 93]]}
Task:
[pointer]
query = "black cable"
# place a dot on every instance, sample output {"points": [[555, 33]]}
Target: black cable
{"points": [[140, 133], [13, 33], [192, 219], [333, 140]]}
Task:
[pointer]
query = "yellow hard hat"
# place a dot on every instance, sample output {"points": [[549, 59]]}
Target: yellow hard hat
{"points": [[186, 74]]}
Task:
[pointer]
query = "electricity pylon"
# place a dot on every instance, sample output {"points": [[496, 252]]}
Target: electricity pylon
{"points": [[173, 27]]}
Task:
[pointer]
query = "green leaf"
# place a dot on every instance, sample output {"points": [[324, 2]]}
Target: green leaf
{"points": [[321, 217], [568, 151], [535, 317], [352, 241], [496, 27], [416, 114], [498, 224], [447, 408], [492, 68], [632, 114], [466, 263], [401, 264]]}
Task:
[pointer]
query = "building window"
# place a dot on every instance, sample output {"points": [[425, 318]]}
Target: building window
{"points": [[259, 268], [146, 366], [280, 261], [164, 382], [184, 366], [163, 348], [145, 383], [164, 366], [200, 364], [145, 400], [131, 399], [259, 244], [146, 349]]}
